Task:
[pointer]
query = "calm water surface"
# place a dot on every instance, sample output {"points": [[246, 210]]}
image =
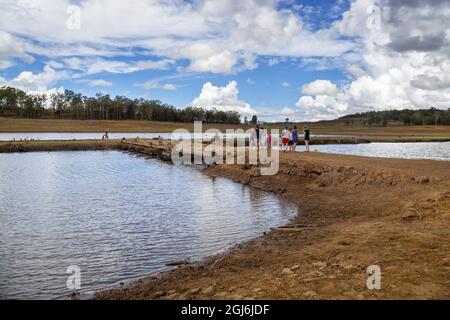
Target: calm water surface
{"points": [[117, 217], [420, 150]]}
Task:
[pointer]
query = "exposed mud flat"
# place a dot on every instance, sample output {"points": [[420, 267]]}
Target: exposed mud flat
{"points": [[72, 145], [356, 212]]}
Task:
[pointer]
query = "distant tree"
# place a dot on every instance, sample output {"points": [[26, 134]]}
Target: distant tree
{"points": [[432, 116], [72, 105]]}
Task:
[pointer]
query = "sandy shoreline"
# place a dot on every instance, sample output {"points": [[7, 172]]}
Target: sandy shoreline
{"points": [[355, 212]]}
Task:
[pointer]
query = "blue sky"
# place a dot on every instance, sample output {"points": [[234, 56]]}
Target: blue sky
{"points": [[303, 59]]}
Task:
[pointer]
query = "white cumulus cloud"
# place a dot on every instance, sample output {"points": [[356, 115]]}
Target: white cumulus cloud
{"points": [[403, 60], [320, 87], [223, 98], [35, 82]]}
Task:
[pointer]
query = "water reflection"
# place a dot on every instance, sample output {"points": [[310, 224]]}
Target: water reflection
{"points": [[116, 216]]}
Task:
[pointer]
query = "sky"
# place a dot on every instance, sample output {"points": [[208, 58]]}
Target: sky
{"points": [[302, 60]]}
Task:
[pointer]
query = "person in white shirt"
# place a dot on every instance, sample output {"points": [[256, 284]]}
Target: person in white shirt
{"points": [[285, 137]]}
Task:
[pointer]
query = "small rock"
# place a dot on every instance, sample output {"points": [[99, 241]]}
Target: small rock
{"points": [[310, 294], [424, 180], [413, 216], [208, 290], [312, 276], [320, 264], [295, 267], [310, 279], [174, 296], [323, 184], [220, 295], [351, 268], [445, 262], [195, 291], [159, 294], [287, 271]]}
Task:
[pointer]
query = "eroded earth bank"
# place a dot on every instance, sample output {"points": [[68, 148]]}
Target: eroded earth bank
{"points": [[354, 212]]}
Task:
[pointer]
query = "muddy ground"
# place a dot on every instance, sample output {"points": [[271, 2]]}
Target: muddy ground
{"points": [[354, 212], [47, 145]]}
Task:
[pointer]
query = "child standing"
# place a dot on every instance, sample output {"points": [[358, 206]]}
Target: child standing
{"points": [[285, 136]]}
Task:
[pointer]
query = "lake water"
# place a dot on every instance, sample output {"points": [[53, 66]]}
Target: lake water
{"points": [[419, 150], [116, 216]]}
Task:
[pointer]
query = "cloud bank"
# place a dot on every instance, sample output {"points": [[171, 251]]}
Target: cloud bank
{"points": [[404, 60], [395, 53]]}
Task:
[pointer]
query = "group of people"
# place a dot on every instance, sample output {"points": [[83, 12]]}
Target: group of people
{"points": [[289, 138]]}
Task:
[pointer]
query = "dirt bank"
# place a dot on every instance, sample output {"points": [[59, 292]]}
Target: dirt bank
{"points": [[72, 145], [355, 212], [100, 126]]}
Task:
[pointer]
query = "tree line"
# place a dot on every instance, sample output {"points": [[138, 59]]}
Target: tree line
{"points": [[406, 117], [72, 105]]}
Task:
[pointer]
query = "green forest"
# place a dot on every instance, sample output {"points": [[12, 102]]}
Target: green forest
{"points": [[405, 117], [71, 105], [15, 103]]}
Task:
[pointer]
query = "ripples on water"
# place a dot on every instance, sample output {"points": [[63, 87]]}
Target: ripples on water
{"points": [[117, 217]]}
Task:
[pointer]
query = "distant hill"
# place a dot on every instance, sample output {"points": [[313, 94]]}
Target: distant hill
{"points": [[405, 117]]}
